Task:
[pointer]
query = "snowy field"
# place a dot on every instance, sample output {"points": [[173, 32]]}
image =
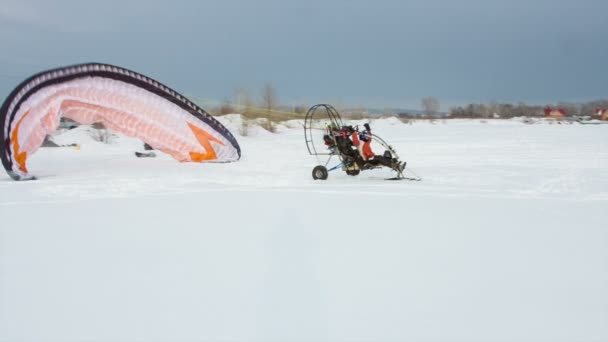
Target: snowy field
{"points": [[504, 239]]}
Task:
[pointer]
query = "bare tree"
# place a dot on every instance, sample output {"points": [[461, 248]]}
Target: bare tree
{"points": [[300, 109], [430, 105], [226, 108], [570, 108], [269, 98], [241, 100], [99, 132], [356, 113], [387, 112]]}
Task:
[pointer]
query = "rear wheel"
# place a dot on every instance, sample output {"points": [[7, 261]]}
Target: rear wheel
{"points": [[319, 172], [352, 172]]}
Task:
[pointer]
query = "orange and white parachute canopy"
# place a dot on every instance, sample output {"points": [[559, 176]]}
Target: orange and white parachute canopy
{"points": [[123, 100]]}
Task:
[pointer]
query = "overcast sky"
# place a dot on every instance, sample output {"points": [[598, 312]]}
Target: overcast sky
{"points": [[371, 53]]}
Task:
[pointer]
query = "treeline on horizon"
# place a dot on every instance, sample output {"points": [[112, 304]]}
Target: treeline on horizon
{"points": [[269, 106], [508, 110]]}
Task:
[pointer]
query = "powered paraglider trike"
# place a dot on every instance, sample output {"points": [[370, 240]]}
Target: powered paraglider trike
{"points": [[326, 135]]}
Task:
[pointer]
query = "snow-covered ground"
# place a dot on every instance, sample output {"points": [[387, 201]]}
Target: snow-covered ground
{"points": [[504, 239]]}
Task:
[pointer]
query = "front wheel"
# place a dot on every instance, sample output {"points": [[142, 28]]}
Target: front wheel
{"points": [[319, 172]]}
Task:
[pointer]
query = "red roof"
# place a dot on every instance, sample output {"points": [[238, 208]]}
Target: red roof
{"points": [[555, 112]]}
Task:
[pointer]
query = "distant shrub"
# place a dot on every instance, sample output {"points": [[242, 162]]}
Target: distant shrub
{"points": [[99, 132], [244, 128], [226, 108], [300, 109], [404, 119], [356, 114], [269, 125]]}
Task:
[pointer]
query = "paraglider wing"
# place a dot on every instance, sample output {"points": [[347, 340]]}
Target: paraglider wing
{"points": [[123, 100]]}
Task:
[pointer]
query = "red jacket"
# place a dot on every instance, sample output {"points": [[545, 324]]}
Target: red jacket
{"points": [[355, 139], [367, 149]]}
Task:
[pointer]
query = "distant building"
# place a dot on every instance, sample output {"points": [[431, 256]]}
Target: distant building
{"points": [[556, 113], [602, 114]]}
